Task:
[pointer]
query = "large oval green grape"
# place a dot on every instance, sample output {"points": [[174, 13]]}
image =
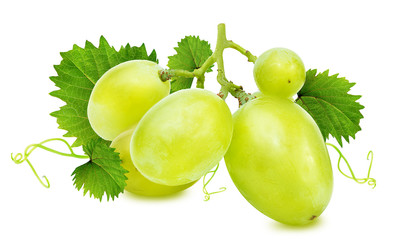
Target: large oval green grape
{"points": [[182, 137], [279, 72], [123, 95], [279, 162], [136, 183]]}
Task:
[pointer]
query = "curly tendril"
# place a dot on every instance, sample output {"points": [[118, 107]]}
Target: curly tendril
{"points": [[205, 183], [20, 158], [368, 179]]}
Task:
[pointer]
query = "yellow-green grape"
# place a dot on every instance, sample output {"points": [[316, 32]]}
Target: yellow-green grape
{"points": [[279, 72], [182, 137], [279, 162], [123, 95], [137, 183]]}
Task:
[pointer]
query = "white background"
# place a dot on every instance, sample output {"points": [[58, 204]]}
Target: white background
{"points": [[354, 38]]}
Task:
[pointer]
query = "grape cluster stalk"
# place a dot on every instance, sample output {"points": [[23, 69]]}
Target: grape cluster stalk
{"points": [[227, 87]]}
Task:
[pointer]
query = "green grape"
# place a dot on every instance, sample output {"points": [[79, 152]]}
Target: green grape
{"points": [[279, 162], [279, 72], [182, 137], [123, 95], [137, 183]]}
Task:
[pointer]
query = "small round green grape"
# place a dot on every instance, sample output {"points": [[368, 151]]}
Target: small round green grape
{"points": [[136, 183], [279, 72], [123, 95]]}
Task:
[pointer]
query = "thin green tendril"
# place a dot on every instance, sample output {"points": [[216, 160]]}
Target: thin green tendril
{"points": [[205, 183], [20, 158], [368, 179]]}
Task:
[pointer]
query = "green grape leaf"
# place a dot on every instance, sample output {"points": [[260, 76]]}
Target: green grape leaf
{"points": [[191, 54], [78, 72], [130, 53], [326, 99], [103, 173]]}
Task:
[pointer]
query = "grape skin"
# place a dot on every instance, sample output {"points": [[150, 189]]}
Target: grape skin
{"points": [[279, 72], [279, 162], [123, 95], [137, 183], [182, 137]]}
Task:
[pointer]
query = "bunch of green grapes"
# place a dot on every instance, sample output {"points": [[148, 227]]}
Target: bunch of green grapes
{"points": [[273, 149], [164, 140], [277, 158]]}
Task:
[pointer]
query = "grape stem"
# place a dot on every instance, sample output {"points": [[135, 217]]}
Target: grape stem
{"points": [[227, 87]]}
